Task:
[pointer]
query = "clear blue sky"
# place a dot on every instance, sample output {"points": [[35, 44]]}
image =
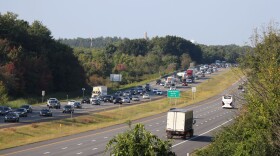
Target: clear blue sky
{"points": [[210, 22]]}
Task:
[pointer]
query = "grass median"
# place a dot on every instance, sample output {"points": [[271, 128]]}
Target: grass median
{"points": [[49, 130]]}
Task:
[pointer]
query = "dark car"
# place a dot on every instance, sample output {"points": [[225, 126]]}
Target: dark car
{"points": [[119, 93], [147, 87], [108, 98], [158, 81], [68, 109], [11, 117], [27, 107], [5, 110], [86, 100], [133, 92], [118, 100], [77, 105], [22, 112], [95, 102], [45, 112]]}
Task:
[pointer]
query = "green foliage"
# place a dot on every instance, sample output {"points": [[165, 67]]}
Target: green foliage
{"points": [[3, 94], [257, 129], [31, 61], [138, 141]]}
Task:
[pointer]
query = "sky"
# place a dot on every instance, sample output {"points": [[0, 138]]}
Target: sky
{"points": [[209, 22]]}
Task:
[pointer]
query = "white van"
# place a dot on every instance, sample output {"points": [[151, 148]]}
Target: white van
{"points": [[227, 101]]}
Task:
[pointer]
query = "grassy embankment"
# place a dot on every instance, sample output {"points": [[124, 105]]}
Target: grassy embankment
{"points": [[53, 129]]}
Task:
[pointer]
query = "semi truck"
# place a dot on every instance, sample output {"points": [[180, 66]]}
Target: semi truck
{"points": [[179, 123], [98, 91], [170, 81]]}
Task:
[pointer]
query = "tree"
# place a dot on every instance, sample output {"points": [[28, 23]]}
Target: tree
{"points": [[138, 142], [3, 94], [257, 129]]}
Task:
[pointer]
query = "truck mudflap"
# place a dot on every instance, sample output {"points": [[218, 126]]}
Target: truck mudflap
{"points": [[183, 134]]}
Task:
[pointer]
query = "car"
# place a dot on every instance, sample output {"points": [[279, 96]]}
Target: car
{"points": [[27, 107], [146, 96], [155, 90], [172, 88], [68, 109], [95, 102], [78, 105], [86, 100], [53, 103], [140, 91], [126, 100], [132, 91], [148, 87], [161, 84], [126, 93], [159, 92], [119, 93], [108, 98], [189, 80], [118, 100], [135, 98], [22, 112], [71, 102], [11, 117], [5, 110], [45, 112], [240, 87], [184, 84]]}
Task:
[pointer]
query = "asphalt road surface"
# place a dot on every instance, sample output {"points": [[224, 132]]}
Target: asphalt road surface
{"points": [[209, 116]]}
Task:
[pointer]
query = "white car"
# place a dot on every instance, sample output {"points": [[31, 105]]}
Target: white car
{"points": [[135, 98], [126, 100], [159, 92], [155, 90], [146, 96], [71, 102], [189, 80], [161, 84]]}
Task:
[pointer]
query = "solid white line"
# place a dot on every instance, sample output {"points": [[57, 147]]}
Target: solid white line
{"points": [[80, 144], [202, 133], [94, 148], [105, 137]]}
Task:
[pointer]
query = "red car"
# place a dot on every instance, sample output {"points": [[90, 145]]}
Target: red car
{"points": [[184, 84]]}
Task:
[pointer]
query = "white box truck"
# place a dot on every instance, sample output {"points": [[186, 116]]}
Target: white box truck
{"points": [[179, 123], [98, 91]]}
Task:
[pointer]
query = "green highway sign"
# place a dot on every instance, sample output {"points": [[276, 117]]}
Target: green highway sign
{"points": [[173, 93]]}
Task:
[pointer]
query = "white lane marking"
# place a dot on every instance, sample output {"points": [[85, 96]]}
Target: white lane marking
{"points": [[105, 137], [94, 149], [157, 130], [80, 144], [202, 133], [64, 147], [46, 152], [150, 125], [93, 140], [196, 125], [209, 119], [163, 121], [205, 121], [157, 123], [79, 153]]}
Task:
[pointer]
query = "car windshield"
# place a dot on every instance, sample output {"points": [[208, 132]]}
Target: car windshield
{"points": [[45, 110], [6, 108], [227, 97], [11, 114], [21, 109], [67, 106]]}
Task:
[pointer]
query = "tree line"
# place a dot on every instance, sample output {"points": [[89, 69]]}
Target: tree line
{"points": [[32, 61]]}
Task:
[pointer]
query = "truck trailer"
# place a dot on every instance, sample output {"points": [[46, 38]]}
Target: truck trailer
{"points": [[179, 123]]}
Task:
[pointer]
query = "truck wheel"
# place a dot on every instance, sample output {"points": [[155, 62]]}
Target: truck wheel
{"points": [[169, 136], [184, 137], [191, 133]]}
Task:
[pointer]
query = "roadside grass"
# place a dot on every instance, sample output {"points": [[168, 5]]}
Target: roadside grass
{"points": [[49, 130]]}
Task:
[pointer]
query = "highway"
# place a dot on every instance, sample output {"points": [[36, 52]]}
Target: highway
{"points": [[88, 108], [208, 114]]}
